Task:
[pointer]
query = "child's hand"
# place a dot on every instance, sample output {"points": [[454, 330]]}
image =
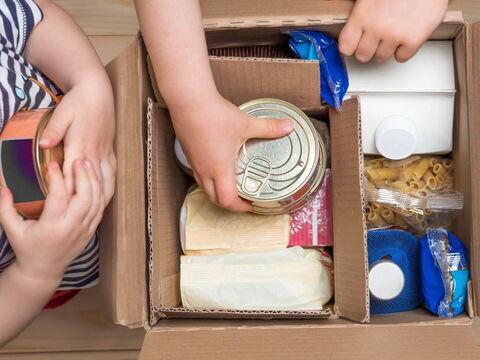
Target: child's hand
{"points": [[382, 28], [84, 120], [45, 247], [211, 133]]}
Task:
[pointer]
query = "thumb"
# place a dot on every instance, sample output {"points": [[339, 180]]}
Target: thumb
{"points": [[9, 218], [56, 128], [269, 128]]}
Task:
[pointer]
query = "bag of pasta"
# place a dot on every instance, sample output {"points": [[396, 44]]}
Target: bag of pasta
{"points": [[415, 193]]}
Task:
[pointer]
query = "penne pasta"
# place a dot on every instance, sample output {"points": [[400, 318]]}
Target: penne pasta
{"points": [[439, 169], [421, 169], [375, 219], [388, 216], [447, 164], [418, 184], [407, 174], [430, 180]]}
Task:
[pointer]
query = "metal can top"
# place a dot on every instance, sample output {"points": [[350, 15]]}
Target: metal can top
{"points": [[273, 169]]}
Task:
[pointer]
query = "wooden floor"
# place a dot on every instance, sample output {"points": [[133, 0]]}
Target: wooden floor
{"points": [[79, 331]]}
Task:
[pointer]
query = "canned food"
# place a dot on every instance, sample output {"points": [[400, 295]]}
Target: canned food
{"points": [[280, 175], [23, 164]]}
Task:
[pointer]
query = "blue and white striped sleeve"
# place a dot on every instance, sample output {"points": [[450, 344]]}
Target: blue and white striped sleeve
{"points": [[18, 18]]}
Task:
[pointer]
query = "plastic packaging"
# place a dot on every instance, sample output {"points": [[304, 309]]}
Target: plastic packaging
{"points": [[415, 193], [312, 224], [289, 279], [394, 280], [314, 45], [444, 273]]}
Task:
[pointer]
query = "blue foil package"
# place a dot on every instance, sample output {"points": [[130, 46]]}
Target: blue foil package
{"points": [[444, 273], [314, 45]]}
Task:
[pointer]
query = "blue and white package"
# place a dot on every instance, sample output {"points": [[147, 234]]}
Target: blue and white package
{"points": [[314, 45], [444, 273]]}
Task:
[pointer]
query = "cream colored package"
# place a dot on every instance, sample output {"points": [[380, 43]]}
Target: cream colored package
{"points": [[206, 229], [288, 279]]}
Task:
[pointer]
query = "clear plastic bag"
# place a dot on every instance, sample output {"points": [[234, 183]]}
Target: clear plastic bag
{"points": [[444, 273], [416, 193]]}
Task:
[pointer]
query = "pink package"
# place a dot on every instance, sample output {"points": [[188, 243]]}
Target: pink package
{"points": [[312, 224]]}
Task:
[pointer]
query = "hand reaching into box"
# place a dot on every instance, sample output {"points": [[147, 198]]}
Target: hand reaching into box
{"points": [[381, 29]]}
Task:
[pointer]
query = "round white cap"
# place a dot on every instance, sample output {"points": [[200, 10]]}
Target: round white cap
{"points": [[386, 280], [181, 155], [396, 137]]}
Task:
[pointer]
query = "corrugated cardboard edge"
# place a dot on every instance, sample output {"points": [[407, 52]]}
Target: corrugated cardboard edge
{"points": [[473, 74], [152, 316], [183, 313], [345, 129], [232, 14], [123, 245]]}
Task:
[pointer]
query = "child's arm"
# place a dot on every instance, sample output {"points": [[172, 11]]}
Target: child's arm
{"points": [[210, 129], [381, 29], [45, 248], [85, 117]]}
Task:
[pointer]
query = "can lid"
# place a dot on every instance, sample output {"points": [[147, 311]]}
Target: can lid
{"points": [[273, 169], [386, 280]]}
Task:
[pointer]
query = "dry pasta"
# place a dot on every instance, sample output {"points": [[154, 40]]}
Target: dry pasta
{"points": [[416, 176]]}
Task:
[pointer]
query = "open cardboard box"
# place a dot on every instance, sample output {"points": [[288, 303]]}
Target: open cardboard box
{"points": [[140, 246]]}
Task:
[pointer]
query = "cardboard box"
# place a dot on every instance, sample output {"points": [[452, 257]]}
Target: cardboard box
{"points": [[141, 247]]}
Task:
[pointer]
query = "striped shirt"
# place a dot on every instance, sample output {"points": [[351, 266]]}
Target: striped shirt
{"points": [[17, 20]]}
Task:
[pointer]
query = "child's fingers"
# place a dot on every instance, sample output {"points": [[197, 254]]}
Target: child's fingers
{"points": [[385, 50], [367, 47], [349, 37], [82, 200], [57, 127], [97, 194], [57, 198], [108, 174], [271, 128], [406, 51], [10, 220], [227, 195]]}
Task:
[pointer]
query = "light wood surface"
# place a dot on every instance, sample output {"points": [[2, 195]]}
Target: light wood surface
{"points": [[79, 325]]}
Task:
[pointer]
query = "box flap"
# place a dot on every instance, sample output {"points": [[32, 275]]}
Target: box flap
{"points": [[310, 341], [473, 76], [219, 14], [242, 79], [349, 234], [122, 245]]}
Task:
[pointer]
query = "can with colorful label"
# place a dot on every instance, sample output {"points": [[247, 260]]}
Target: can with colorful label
{"points": [[23, 164]]}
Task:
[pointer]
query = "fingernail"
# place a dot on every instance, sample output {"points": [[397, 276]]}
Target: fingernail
{"points": [[44, 142], [287, 125], [87, 164]]}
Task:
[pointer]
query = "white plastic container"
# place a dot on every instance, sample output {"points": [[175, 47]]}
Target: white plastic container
{"points": [[407, 108]]}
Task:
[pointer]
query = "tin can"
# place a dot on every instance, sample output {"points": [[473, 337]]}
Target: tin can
{"points": [[23, 164], [280, 175]]}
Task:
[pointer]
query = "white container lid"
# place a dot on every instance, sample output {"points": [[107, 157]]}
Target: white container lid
{"points": [[386, 280], [396, 137], [430, 70]]}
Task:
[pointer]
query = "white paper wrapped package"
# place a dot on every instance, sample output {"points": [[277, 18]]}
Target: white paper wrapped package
{"points": [[406, 108], [289, 279], [206, 229]]}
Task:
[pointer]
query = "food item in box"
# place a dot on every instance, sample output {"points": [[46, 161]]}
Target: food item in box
{"points": [[415, 193], [23, 163], [288, 279], [315, 45], [394, 278], [444, 273], [312, 224], [280, 175], [407, 108], [206, 229]]}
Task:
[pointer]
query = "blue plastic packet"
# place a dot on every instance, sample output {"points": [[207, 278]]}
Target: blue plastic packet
{"points": [[444, 273], [314, 45]]}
